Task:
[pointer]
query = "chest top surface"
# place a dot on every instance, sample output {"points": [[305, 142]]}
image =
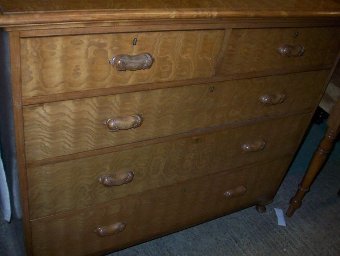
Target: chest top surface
{"points": [[20, 12], [24, 6]]}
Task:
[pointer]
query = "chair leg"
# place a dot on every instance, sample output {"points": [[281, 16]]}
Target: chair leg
{"points": [[318, 159], [315, 165]]}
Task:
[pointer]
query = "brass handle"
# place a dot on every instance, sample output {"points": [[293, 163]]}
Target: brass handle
{"points": [[273, 99], [124, 123], [111, 229], [289, 50], [125, 62], [254, 146], [117, 180], [238, 191]]}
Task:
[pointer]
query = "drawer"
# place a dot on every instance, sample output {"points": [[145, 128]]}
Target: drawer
{"points": [[152, 213], [75, 184], [253, 50], [72, 126], [76, 63]]}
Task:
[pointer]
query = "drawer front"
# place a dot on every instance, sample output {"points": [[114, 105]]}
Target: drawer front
{"points": [[76, 63], [252, 50], [75, 184], [155, 212], [67, 127]]}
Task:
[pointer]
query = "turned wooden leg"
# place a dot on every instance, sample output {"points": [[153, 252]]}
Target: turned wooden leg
{"points": [[315, 165], [318, 160]]}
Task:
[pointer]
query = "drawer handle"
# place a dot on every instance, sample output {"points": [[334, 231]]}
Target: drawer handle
{"points": [[238, 191], [254, 146], [273, 99], [111, 229], [125, 62], [124, 123], [117, 180], [289, 50]]}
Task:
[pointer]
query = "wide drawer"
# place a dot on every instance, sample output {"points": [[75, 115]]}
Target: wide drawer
{"points": [[75, 184], [155, 212], [253, 50], [75, 63], [72, 126]]}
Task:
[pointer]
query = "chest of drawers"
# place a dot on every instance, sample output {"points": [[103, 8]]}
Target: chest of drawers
{"points": [[131, 122]]}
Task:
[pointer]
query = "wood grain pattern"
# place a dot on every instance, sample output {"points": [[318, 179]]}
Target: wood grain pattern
{"points": [[252, 50], [215, 61], [197, 132], [67, 127], [246, 6], [56, 187], [144, 87], [76, 63], [109, 27], [154, 212], [116, 26], [21, 12]]}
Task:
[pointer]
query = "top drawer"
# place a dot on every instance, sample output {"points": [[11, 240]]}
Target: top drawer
{"points": [[75, 63], [254, 50]]}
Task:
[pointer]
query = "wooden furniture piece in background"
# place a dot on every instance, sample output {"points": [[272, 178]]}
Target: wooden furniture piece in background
{"points": [[134, 119], [330, 103], [318, 160]]}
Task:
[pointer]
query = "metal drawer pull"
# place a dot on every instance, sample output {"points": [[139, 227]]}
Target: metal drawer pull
{"points": [[117, 180], [124, 62], [254, 146], [289, 50], [238, 191], [124, 123], [111, 229], [273, 99]]}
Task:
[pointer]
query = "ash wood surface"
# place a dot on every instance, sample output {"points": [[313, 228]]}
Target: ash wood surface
{"points": [[77, 63], [117, 26], [233, 5], [196, 132], [150, 214], [67, 127], [56, 187], [20, 12], [144, 87], [251, 50], [59, 56]]}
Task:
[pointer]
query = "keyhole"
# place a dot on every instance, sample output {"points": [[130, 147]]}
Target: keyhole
{"points": [[211, 88], [296, 34], [134, 41]]}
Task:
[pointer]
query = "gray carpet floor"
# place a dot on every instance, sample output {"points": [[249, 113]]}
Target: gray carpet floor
{"points": [[313, 230]]}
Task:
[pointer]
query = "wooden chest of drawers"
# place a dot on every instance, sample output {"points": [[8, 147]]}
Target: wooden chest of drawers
{"points": [[135, 121]]}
